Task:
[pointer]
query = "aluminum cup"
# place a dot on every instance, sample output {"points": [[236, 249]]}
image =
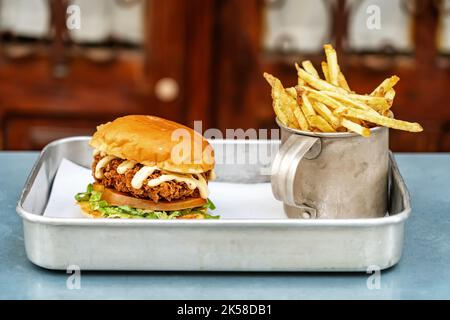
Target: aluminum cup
{"points": [[332, 175]]}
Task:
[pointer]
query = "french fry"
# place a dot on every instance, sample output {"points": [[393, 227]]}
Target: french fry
{"points": [[283, 104], [339, 111], [303, 123], [384, 121], [348, 101], [325, 99], [300, 81], [358, 121], [376, 103], [292, 92], [389, 96], [343, 82], [333, 67], [389, 114], [306, 106], [320, 123], [316, 83], [355, 127], [385, 86], [326, 113], [329, 105], [308, 66], [326, 75]]}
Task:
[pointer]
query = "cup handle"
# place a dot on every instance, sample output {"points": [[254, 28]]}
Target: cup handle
{"points": [[284, 169]]}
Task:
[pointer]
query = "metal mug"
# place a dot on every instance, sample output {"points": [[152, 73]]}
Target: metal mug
{"points": [[332, 175]]}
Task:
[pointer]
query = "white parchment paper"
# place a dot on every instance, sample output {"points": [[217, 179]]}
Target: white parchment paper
{"points": [[233, 200]]}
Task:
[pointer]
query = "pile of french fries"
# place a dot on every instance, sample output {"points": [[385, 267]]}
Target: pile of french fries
{"points": [[329, 105]]}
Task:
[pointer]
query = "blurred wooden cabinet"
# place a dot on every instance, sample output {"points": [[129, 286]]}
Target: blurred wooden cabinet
{"points": [[204, 59], [58, 85], [33, 133], [243, 99]]}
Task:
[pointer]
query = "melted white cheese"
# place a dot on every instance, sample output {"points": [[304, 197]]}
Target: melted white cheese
{"points": [[202, 186], [125, 166], [141, 176], [101, 165]]}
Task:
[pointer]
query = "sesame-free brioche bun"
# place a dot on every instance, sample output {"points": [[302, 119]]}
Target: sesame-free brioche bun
{"points": [[154, 141], [87, 211]]}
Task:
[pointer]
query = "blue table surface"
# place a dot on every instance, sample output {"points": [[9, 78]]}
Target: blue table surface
{"points": [[422, 273]]}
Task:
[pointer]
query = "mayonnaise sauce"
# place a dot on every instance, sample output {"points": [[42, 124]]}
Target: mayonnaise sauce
{"points": [[101, 165], [202, 186], [141, 176], [125, 166]]}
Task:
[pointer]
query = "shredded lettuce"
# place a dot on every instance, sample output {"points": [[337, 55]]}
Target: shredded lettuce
{"points": [[96, 203], [210, 205]]}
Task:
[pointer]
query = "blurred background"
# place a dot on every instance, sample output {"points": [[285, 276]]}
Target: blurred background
{"points": [[203, 60]]}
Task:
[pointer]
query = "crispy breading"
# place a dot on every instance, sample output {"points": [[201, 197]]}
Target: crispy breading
{"points": [[167, 191]]}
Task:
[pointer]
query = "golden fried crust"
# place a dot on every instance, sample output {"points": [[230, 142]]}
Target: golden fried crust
{"points": [[170, 190]]}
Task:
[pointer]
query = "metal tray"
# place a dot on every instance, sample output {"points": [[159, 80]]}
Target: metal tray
{"points": [[213, 245]]}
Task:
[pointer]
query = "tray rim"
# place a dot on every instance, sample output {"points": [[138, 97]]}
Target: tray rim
{"points": [[299, 223]]}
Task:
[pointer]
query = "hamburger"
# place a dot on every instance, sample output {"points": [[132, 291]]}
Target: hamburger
{"points": [[148, 167]]}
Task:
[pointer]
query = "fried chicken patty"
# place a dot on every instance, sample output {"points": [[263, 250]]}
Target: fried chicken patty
{"points": [[166, 191]]}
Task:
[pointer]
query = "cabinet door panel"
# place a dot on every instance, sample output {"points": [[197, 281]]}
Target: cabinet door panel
{"points": [[34, 134]]}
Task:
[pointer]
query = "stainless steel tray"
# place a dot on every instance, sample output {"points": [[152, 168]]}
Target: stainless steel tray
{"points": [[231, 245]]}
